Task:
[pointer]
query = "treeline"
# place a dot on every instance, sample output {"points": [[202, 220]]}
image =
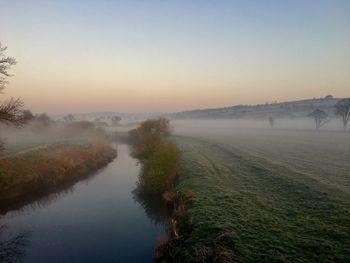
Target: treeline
{"points": [[321, 117], [41, 129], [45, 153], [292, 110], [160, 158]]}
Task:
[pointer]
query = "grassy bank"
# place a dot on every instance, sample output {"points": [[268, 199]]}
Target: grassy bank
{"points": [[36, 170], [247, 209], [159, 157], [160, 161]]}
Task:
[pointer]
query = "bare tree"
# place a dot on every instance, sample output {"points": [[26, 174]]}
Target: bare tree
{"points": [[43, 120], [342, 109], [116, 120], [5, 66], [10, 111], [320, 117], [271, 121], [27, 116], [69, 118]]}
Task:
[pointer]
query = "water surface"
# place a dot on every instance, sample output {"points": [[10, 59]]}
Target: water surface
{"points": [[98, 219]]}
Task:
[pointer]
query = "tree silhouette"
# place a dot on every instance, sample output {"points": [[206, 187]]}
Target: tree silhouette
{"points": [[27, 116], [69, 118], [342, 109], [43, 119], [5, 66], [116, 120], [11, 110], [320, 117]]}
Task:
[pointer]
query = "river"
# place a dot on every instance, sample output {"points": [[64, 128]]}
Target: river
{"points": [[98, 219]]}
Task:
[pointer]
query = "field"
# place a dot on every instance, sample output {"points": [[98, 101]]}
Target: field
{"points": [[279, 195]]}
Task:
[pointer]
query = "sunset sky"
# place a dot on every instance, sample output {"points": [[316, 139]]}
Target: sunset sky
{"points": [[152, 56]]}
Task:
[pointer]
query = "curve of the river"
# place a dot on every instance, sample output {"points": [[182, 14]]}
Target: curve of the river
{"points": [[98, 219]]}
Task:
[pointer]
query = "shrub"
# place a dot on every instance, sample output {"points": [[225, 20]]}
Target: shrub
{"points": [[160, 159], [161, 169], [158, 127], [145, 147], [148, 136]]}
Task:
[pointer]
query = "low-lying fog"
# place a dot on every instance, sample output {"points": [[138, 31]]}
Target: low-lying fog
{"points": [[34, 134], [323, 155], [334, 124]]}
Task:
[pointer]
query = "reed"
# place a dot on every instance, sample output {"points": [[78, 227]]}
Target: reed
{"points": [[38, 170]]}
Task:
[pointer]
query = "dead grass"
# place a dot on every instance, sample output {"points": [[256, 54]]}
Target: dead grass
{"points": [[45, 168]]}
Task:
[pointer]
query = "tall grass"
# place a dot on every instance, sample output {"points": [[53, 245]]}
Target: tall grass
{"points": [[38, 170]]}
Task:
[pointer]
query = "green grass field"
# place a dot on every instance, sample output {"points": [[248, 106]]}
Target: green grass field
{"points": [[276, 205]]}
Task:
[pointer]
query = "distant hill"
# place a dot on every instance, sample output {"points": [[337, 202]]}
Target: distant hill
{"points": [[105, 116], [290, 109]]}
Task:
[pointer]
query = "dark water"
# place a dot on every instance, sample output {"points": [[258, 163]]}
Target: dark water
{"points": [[98, 219]]}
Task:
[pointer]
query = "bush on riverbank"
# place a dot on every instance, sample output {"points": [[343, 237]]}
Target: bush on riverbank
{"points": [[161, 169], [37, 170], [160, 158], [148, 136], [161, 164]]}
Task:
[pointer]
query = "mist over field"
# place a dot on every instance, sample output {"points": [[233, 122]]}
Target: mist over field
{"points": [[264, 182], [294, 143], [218, 125], [175, 131]]}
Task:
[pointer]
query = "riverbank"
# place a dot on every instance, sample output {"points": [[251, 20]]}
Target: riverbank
{"points": [[159, 157], [248, 209], [90, 219], [40, 169]]}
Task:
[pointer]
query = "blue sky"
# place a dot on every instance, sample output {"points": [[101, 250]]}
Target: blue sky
{"points": [[174, 55]]}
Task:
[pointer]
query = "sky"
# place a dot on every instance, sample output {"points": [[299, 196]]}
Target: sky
{"points": [[173, 55]]}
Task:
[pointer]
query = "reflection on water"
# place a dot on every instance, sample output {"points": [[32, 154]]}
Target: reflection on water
{"points": [[35, 202], [42, 199], [12, 249], [153, 206], [97, 220]]}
